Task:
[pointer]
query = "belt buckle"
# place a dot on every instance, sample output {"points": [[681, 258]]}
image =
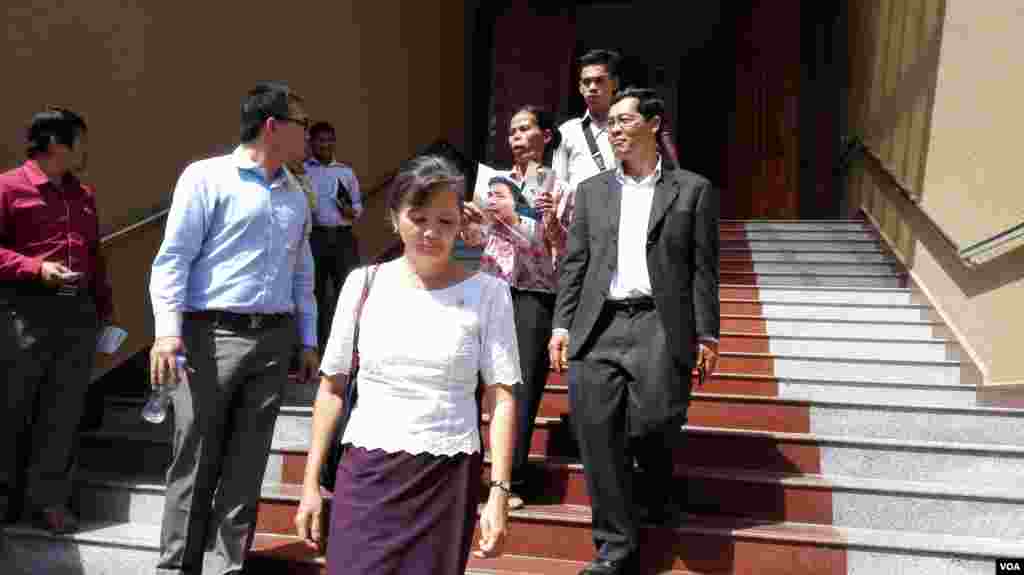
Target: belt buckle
{"points": [[255, 321], [66, 290]]}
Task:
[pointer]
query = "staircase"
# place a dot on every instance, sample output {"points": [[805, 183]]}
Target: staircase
{"points": [[841, 434]]}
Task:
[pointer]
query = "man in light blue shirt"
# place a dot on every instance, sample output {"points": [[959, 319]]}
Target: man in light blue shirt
{"points": [[338, 205], [232, 291]]}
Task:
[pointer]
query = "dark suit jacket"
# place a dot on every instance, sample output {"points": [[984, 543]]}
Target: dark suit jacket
{"points": [[682, 260]]}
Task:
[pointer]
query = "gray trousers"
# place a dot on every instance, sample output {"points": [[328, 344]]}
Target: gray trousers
{"points": [[223, 428], [47, 350]]}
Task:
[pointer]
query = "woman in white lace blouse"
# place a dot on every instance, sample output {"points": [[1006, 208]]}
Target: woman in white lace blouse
{"points": [[408, 485]]}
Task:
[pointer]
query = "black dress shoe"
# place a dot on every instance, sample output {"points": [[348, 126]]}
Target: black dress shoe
{"points": [[606, 567]]}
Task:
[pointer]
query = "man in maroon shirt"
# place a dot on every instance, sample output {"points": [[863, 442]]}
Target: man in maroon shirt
{"points": [[53, 296]]}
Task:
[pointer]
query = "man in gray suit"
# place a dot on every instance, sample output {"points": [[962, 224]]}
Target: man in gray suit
{"points": [[637, 310]]}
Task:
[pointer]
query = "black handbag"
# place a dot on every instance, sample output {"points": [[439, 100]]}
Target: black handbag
{"points": [[335, 449]]}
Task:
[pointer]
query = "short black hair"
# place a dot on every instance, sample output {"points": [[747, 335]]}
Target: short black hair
{"points": [[54, 125], [610, 59], [265, 100], [417, 179], [320, 127], [649, 103]]}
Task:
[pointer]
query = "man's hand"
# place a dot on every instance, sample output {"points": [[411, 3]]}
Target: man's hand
{"points": [[56, 274], [707, 356], [309, 365], [558, 352], [163, 367], [348, 213]]}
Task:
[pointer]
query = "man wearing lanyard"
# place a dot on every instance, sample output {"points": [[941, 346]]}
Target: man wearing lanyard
{"points": [[53, 294], [585, 150], [637, 309], [338, 204], [232, 291]]}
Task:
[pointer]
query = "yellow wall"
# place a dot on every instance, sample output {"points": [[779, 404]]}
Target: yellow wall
{"points": [[932, 96], [160, 84]]}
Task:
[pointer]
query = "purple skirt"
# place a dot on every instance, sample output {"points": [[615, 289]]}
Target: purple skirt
{"points": [[396, 513]]}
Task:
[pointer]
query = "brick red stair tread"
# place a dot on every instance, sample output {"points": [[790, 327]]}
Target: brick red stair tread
{"points": [[289, 548], [526, 565]]}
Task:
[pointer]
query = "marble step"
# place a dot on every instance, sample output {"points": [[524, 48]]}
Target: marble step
{"points": [[769, 308], [903, 393], [826, 235], [808, 295], [974, 464], [797, 225], [913, 393], [877, 415], [132, 452], [764, 256], [808, 498], [717, 547], [781, 325], [836, 367], [852, 503], [877, 458], [802, 245], [844, 347], [810, 268], [708, 546], [816, 278], [827, 415]]}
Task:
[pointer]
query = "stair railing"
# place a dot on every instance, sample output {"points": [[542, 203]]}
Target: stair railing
{"points": [[125, 248], [973, 254]]}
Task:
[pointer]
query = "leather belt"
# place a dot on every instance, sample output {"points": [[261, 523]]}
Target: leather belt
{"points": [[631, 305], [241, 321]]}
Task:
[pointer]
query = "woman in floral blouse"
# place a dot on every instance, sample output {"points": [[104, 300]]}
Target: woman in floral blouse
{"points": [[522, 225]]}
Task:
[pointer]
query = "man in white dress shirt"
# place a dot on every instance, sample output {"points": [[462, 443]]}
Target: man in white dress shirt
{"points": [[585, 150], [338, 205], [232, 291], [637, 309]]}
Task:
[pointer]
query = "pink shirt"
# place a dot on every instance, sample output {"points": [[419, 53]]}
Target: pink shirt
{"points": [[526, 255]]}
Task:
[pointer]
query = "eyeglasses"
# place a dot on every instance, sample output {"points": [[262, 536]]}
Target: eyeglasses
{"points": [[304, 122], [625, 121]]}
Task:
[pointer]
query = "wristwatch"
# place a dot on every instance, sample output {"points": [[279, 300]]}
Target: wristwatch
{"points": [[505, 486]]}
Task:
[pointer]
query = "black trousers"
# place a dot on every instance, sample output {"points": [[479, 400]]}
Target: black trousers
{"points": [[618, 415], [334, 255], [533, 314], [47, 349]]}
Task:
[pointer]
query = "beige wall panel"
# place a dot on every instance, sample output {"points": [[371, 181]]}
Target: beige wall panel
{"points": [[972, 182], [947, 127], [160, 82], [160, 85]]}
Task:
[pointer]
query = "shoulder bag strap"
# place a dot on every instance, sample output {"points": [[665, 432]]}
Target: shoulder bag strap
{"points": [[367, 282], [595, 152]]}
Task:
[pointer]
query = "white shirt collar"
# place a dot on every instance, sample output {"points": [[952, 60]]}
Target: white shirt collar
{"points": [[653, 177]]}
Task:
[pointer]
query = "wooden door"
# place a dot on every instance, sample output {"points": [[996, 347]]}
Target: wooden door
{"points": [[763, 153], [533, 64]]}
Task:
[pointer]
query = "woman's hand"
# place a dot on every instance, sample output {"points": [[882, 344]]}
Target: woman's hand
{"points": [[309, 518], [493, 524]]}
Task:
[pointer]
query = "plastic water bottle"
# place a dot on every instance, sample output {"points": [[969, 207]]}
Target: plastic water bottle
{"points": [[155, 410]]}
